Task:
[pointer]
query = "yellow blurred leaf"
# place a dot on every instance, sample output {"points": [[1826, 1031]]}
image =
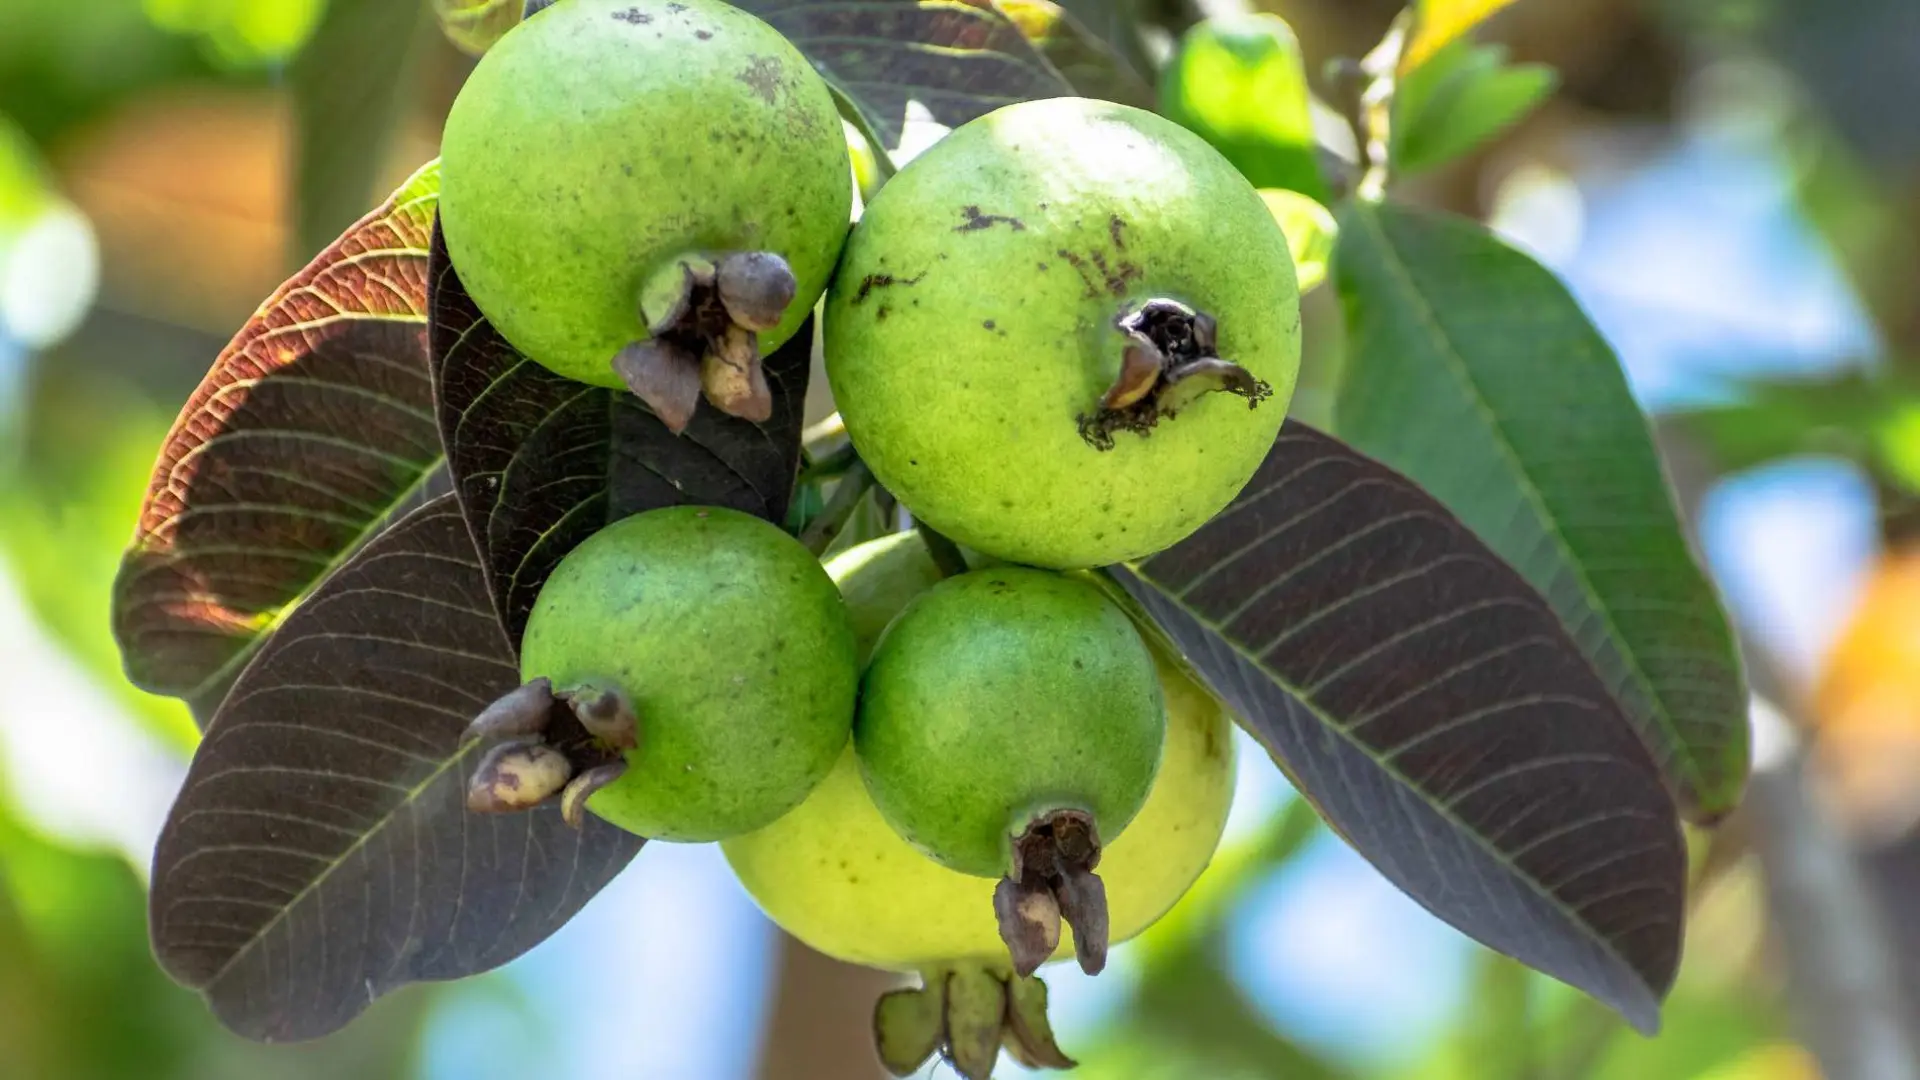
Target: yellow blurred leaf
{"points": [[1310, 230], [474, 25], [1442, 21]]}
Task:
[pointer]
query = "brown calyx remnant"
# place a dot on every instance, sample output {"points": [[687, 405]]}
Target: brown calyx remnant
{"points": [[541, 758], [967, 1014], [704, 319], [1171, 358], [1052, 880]]}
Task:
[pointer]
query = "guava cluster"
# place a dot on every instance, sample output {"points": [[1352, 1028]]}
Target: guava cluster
{"points": [[1064, 338]]}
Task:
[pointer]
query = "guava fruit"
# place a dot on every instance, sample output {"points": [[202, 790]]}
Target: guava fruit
{"points": [[837, 876], [1029, 322], [711, 651], [647, 194]]}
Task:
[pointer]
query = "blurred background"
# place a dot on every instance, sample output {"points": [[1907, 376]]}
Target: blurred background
{"points": [[1730, 187]]}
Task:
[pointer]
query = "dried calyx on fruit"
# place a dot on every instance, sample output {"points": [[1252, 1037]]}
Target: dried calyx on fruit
{"points": [[647, 194], [967, 1014], [704, 322], [690, 675], [1171, 358]]}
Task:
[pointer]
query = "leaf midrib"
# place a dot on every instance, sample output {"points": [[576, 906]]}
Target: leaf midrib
{"points": [[377, 827]]}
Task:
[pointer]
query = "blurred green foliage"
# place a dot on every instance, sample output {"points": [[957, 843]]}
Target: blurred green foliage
{"points": [[66, 516], [1242, 85]]}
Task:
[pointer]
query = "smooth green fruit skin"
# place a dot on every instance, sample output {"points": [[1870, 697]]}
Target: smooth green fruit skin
{"points": [[603, 139], [971, 324], [834, 874], [734, 647], [998, 696], [877, 579]]}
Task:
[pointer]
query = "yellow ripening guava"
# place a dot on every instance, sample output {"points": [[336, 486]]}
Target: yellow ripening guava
{"points": [[835, 875]]}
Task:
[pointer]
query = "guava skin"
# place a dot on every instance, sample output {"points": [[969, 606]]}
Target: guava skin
{"points": [[877, 579], [733, 648], [1000, 696], [835, 875], [603, 139], [972, 326]]}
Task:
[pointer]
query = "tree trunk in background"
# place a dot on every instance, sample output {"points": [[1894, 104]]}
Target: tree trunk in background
{"points": [[821, 1027]]}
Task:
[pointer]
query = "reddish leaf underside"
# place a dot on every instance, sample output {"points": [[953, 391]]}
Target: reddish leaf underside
{"points": [[313, 427]]}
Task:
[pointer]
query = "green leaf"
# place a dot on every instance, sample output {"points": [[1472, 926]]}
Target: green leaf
{"points": [[1310, 231], [1240, 83], [348, 87], [1472, 370], [1442, 21], [1872, 419], [474, 25], [64, 506], [1090, 62], [1460, 99]]}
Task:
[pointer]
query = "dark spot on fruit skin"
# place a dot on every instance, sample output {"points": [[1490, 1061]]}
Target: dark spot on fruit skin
{"points": [[881, 315], [1117, 229], [633, 17], [703, 35], [975, 221], [883, 281], [989, 324], [763, 76], [1099, 276]]}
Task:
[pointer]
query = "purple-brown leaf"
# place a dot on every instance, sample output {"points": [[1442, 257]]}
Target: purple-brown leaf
{"points": [[321, 852], [542, 462], [1430, 705], [313, 428]]}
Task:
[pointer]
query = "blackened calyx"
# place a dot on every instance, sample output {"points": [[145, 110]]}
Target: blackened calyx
{"points": [[1170, 359]]}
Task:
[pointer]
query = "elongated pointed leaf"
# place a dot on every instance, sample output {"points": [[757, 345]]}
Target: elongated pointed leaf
{"points": [[958, 58], [1433, 709], [321, 853], [1471, 370], [1462, 97], [542, 462], [1088, 61], [315, 423]]}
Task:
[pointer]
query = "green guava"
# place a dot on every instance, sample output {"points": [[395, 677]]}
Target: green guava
{"points": [[1030, 322], [724, 642], [1010, 724], [648, 194], [835, 875]]}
